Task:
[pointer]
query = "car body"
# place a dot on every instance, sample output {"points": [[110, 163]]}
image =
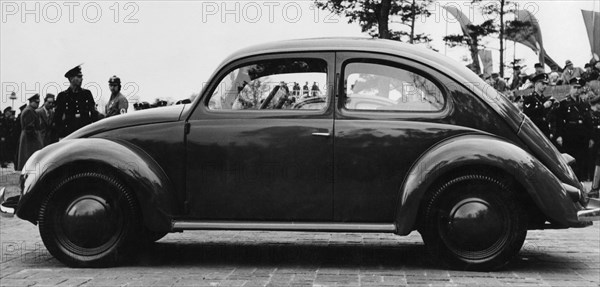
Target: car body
{"points": [[433, 149]]}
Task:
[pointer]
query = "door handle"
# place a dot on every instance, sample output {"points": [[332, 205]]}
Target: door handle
{"points": [[321, 134]]}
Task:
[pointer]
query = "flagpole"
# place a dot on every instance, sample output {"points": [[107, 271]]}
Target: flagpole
{"points": [[445, 44], [514, 53]]}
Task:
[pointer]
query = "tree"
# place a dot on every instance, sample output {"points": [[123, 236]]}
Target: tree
{"points": [[494, 9], [472, 40], [375, 16]]}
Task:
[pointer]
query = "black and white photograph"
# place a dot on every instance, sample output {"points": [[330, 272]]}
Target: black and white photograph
{"points": [[300, 143]]}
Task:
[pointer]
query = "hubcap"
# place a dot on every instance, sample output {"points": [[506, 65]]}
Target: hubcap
{"points": [[89, 221], [474, 228]]}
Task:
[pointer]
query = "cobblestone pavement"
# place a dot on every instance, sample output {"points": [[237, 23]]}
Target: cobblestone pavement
{"points": [[223, 258]]}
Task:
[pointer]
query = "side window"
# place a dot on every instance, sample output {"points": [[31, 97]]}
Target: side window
{"points": [[372, 86], [277, 84]]}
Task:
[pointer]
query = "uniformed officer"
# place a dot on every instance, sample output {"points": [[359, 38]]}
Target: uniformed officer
{"points": [[117, 104], [536, 106], [574, 127], [75, 106], [595, 107]]}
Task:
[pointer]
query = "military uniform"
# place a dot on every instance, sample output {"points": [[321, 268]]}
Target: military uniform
{"points": [[118, 104], [574, 125], [4, 156], [9, 140], [74, 108], [533, 107], [593, 158]]}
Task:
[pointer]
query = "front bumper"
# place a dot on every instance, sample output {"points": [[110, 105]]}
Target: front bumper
{"points": [[8, 205], [591, 211]]}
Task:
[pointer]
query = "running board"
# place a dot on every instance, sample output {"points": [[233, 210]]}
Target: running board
{"points": [[283, 226]]}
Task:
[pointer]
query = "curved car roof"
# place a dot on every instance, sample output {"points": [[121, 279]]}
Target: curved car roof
{"points": [[420, 54], [425, 56]]}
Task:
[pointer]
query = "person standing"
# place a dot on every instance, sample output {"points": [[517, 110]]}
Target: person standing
{"points": [[46, 114], [574, 127], [536, 106], [296, 90], [498, 83], [590, 73], [595, 107], [515, 81], [570, 73], [305, 90], [518, 102], [539, 69], [4, 155], [30, 140], [75, 106], [314, 90], [117, 104]]}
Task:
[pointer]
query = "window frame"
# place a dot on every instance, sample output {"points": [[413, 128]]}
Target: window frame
{"points": [[345, 58], [202, 110]]}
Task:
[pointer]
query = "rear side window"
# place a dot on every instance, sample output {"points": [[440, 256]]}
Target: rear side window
{"points": [[276, 84], [375, 86]]}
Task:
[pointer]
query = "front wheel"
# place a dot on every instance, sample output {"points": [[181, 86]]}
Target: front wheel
{"points": [[474, 222], [89, 220]]}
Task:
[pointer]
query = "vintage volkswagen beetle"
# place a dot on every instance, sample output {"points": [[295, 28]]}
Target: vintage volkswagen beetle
{"points": [[440, 152]]}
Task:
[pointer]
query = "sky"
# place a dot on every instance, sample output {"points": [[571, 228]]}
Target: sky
{"points": [[169, 49]]}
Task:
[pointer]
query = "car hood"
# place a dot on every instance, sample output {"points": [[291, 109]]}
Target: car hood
{"points": [[149, 116]]}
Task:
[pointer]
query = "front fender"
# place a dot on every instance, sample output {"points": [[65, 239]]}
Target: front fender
{"points": [[138, 170], [543, 186]]}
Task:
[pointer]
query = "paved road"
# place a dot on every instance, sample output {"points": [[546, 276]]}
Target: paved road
{"points": [[215, 258]]}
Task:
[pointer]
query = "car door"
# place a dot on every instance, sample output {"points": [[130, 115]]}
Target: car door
{"points": [[390, 111], [260, 144]]}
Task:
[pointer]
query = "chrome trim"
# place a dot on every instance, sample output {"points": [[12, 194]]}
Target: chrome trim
{"points": [[321, 134], [589, 215], [5, 211], [591, 211], [283, 226]]}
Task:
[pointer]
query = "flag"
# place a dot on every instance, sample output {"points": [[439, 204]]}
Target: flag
{"points": [[462, 19], [531, 37], [592, 24], [486, 61]]}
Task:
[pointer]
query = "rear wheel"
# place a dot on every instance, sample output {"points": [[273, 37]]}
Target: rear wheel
{"points": [[474, 222], [89, 220]]}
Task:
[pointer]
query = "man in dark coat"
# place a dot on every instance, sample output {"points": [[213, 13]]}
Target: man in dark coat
{"points": [[4, 155], [536, 106], [30, 140], [574, 127], [75, 106], [13, 134], [595, 109], [47, 127]]}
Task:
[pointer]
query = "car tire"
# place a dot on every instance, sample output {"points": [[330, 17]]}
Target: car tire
{"points": [[474, 222], [90, 219]]}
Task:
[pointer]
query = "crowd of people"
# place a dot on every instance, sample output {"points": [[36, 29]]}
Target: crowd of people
{"points": [[572, 123], [60, 115], [523, 81]]}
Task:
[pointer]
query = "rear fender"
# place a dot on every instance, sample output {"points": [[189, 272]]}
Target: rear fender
{"points": [[477, 150], [152, 188]]}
